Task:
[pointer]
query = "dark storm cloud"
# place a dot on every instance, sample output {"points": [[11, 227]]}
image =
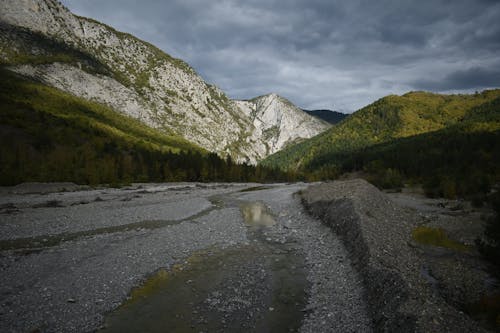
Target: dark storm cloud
{"points": [[463, 80], [320, 53]]}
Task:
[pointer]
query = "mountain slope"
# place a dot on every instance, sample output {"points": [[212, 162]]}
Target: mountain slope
{"points": [[50, 135], [332, 117], [42, 40], [278, 122], [459, 160], [389, 118]]}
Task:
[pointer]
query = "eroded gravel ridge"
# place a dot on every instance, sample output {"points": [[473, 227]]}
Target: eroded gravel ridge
{"points": [[377, 233]]}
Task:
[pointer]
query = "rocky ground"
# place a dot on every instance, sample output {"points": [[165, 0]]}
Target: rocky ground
{"points": [[410, 286], [462, 278], [218, 257], [235, 257]]}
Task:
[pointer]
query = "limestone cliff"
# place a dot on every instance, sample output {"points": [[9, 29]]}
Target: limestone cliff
{"points": [[278, 122]]}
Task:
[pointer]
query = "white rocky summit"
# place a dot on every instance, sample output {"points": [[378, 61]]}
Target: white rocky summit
{"points": [[278, 122], [135, 78]]}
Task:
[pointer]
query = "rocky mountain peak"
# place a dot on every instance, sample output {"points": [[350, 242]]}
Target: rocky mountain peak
{"points": [[279, 122], [272, 96]]}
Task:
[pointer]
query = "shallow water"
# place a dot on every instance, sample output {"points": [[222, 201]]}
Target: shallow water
{"points": [[257, 214], [258, 287], [253, 288]]}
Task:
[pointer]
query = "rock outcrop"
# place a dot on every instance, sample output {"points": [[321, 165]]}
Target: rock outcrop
{"points": [[43, 40], [278, 122]]}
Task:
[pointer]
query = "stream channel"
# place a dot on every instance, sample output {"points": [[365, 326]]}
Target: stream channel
{"points": [[255, 287]]}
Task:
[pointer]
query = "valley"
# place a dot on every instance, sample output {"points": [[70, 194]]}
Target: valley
{"points": [[136, 196]]}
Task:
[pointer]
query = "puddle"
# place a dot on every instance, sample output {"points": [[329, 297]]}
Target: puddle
{"points": [[252, 288], [426, 273], [257, 214]]}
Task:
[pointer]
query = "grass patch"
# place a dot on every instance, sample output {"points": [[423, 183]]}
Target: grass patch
{"points": [[436, 237]]}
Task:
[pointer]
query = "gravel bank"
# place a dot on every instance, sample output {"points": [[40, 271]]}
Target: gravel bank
{"points": [[401, 296]]}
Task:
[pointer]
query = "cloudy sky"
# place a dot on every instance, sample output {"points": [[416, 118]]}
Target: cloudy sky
{"points": [[331, 54]]}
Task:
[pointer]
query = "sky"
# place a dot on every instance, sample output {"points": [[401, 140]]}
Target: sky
{"points": [[320, 54]]}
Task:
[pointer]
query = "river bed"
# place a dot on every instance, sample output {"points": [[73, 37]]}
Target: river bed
{"points": [[176, 257]]}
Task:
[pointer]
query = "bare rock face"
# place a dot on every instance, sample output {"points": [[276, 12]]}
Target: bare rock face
{"points": [[278, 122], [44, 41]]}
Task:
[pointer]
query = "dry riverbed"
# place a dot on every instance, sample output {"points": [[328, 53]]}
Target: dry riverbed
{"points": [[192, 257], [172, 257]]}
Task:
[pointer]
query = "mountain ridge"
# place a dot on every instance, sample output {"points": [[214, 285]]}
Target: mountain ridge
{"points": [[48, 135], [129, 75], [388, 118]]}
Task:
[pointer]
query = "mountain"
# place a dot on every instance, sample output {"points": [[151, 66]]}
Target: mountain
{"points": [[42, 40], [460, 160], [50, 135], [329, 116], [278, 122], [390, 118]]}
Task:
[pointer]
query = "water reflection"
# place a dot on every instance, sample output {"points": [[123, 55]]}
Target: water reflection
{"points": [[257, 214]]}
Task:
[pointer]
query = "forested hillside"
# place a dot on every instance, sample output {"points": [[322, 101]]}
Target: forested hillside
{"points": [[49, 135], [451, 144]]}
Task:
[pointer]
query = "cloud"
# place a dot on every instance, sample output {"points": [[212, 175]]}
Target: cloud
{"points": [[319, 53], [471, 78]]}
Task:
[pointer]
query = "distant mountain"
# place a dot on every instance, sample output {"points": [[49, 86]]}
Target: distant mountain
{"points": [[387, 119], [43, 41], [329, 116], [278, 122]]}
